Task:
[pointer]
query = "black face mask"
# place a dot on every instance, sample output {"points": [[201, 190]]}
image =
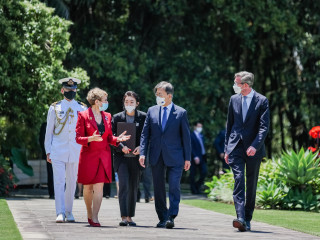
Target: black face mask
{"points": [[69, 95]]}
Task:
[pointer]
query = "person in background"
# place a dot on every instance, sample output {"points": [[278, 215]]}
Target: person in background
{"points": [[44, 156], [198, 158], [61, 148], [94, 133], [126, 164], [219, 146]]}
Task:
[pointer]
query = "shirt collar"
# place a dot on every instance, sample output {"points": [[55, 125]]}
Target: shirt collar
{"points": [[168, 107], [250, 95]]}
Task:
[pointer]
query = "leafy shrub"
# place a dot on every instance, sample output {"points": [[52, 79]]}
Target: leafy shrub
{"points": [[290, 182], [271, 195], [221, 189], [6, 177], [302, 199], [270, 190], [299, 169]]}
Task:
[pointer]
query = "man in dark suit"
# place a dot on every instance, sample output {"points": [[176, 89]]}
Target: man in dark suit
{"points": [[198, 159], [247, 128], [167, 129], [219, 146]]}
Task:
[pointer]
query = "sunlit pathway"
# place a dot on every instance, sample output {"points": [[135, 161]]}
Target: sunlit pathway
{"points": [[35, 218]]}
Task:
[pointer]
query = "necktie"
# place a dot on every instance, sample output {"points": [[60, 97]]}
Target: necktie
{"points": [[244, 108], [164, 118]]}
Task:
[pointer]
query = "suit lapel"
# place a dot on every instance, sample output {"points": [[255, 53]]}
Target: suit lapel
{"points": [[92, 119], [171, 117], [252, 106]]}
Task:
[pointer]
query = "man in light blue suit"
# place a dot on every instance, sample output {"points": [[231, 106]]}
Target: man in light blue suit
{"points": [[166, 129]]}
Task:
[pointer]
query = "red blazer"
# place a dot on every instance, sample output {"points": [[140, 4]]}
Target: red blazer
{"points": [[92, 152]]}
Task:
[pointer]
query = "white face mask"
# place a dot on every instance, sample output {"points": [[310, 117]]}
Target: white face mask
{"points": [[160, 101], [130, 109], [199, 129], [236, 89]]}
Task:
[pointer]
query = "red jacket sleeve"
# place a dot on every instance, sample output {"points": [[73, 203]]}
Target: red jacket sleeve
{"points": [[81, 138]]}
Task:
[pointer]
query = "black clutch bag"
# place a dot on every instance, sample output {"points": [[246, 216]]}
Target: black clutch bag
{"points": [[131, 130]]}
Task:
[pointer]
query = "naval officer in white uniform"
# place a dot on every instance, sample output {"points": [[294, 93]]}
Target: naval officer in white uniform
{"points": [[61, 147]]}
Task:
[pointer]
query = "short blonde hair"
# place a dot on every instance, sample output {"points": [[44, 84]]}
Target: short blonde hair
{"points": [[95, 94]]}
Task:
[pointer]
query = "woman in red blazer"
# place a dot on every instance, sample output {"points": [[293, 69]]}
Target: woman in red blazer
{"points": [[94, 133]]}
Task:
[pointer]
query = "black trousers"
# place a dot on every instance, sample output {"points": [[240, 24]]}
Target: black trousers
{"points": [[244, 193], [129, 178], [50, 180], [195, 186]]}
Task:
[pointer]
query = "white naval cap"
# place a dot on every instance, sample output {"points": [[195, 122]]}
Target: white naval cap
{"points": [[69, 82]]}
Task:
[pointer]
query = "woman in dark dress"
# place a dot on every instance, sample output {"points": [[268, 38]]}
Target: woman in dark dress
{"points": [[126, 161]]}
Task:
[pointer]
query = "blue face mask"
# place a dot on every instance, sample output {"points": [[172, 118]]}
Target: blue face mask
{"points": [[104, 106]]}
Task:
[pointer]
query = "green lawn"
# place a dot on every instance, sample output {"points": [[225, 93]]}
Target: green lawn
{"points": [[8, 227], [307, 222]]}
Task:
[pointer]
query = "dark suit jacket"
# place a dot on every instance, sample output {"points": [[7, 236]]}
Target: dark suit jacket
{"points": [[196, 146], [253, 130], [219, 142], [173, 143], [139, 118]]}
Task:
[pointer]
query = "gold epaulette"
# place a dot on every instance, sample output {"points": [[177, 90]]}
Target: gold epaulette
{"points": [[55, 103], [83, 104]]}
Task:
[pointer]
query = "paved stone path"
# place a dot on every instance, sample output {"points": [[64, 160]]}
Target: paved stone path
{"points": [[35, 218]]}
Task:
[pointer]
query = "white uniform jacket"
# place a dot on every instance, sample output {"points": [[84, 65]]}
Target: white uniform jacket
{"points": [[63, 147]]}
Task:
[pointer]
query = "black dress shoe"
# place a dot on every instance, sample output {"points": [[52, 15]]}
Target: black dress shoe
{"points": [[161, 224], [170, 222], [147, 200], [248, 225], [123, 223], [132, 224], [240, 224]]}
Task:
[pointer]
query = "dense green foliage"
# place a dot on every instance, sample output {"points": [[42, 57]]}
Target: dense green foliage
{"points": [[290, 182], [198, 46], [34, 43], [132, 45]]}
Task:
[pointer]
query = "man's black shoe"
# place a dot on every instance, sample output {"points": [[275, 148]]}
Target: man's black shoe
{"points": [[240, 224], [170, 222], [147, 200], [161, 224], [248, 225]]}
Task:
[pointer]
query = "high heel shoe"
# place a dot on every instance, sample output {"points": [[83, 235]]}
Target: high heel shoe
{"points": [[93, 224], [90, 221]]}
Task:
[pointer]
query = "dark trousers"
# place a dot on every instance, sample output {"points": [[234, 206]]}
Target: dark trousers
{"points": [[146, 180], [50, 180], [106, 190], [159, 179], [244, 193], [129, 177], [202, 166]]}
